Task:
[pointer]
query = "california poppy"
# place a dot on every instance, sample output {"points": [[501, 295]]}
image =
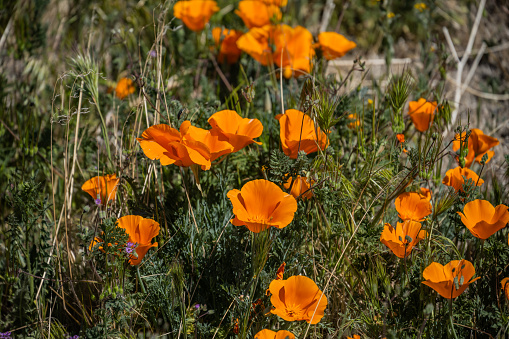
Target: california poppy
{"points": [[238, 131], [426, 193], [297, 298], [298, 133], [268, 334], [355, 336], [216, 144], [334, 45], [256, 44], [256, 13], [479, 144], [195, 13], [482, 219], [280, 3], [300, 185], [403, 238], [454, 178], [354, 121], [125, 87], [505, 287], [412, 206], [261, 204], [141, 231], [293, 50], [172, 146], [227, 40], [450, 280], [422, 113], [102, 188]]}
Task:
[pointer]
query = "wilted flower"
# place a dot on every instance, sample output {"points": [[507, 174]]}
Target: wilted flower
{"points": [[171, 146], [256, 13], [261, 204], [239, 132], [293, 50], [300, 185], [298, 133], [482, 219], [450, 280], [256, 44], [334, 45], [422, 113], [102, 188], [268, 334], [125, 87], [403, 238], [505, 287], [195, 13], [479, 144], [141, 231], [296, 298], [227, 39], [412, 206], [455, 178]]}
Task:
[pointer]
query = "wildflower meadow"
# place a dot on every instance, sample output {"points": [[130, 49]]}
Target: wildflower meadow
{"points": [[262, 169]]}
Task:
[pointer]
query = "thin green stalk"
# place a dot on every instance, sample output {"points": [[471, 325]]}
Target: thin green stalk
{"points": [[451, 320], [139, 280]]}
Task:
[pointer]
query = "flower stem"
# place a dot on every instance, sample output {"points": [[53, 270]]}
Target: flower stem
{"points": [[451, 320], [139, 280]]}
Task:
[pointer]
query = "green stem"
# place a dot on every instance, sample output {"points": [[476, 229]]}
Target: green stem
{"points": [[105, 133], [139, 280], [451, 321]]}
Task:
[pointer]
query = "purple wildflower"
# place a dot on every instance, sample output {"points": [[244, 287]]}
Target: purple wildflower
{"points": [[129, 247], [152, 53], [5, 335], [97, 201]]}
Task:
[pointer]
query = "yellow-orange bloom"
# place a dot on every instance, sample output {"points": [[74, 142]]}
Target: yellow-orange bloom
{"points": [[505, 287], [268, 334], [256, 44], [170, 146], [422, 113], [355, 336], [256, 13], [482, 219], [232, 128], [195, 13], [412, 206], [125, 87], [102, 187], [426, 193], [279, 3], [450, 280], [141, 231], [334, 45], [402, 239], [454, 178], [298, 133], [297, 298], [479, 144], [293, 50], [300, 185], [261, 204], [354, 121], [227, 39]]}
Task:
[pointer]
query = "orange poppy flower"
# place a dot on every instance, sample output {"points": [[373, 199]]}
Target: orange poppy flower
{"points": [[296, 298], [195, 13], [268, 334], [141, 231], [354, 121], [256, 13], [227, 39], [103, 188], [334, 45], [261, 204], [293, 50], [298, 133], [412, 206], [170, 146], [300, 185], [426, 193], [215, 142], [279, 3], [450, 280], [402, 239], [454, 178], [355, 336], [256, 44], [505, 287], [400, 137], [238, 131], [125, 87], [478, 145], [422, 113], [482, 219]]}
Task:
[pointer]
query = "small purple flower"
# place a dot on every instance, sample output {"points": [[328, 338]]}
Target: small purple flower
{"points": [[5, 335], [74, 337], [197, 306], [129, 247], [152, 53], [98, 201]]}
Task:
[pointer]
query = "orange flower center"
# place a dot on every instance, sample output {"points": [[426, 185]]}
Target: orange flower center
{"points": [[294, 311]]}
